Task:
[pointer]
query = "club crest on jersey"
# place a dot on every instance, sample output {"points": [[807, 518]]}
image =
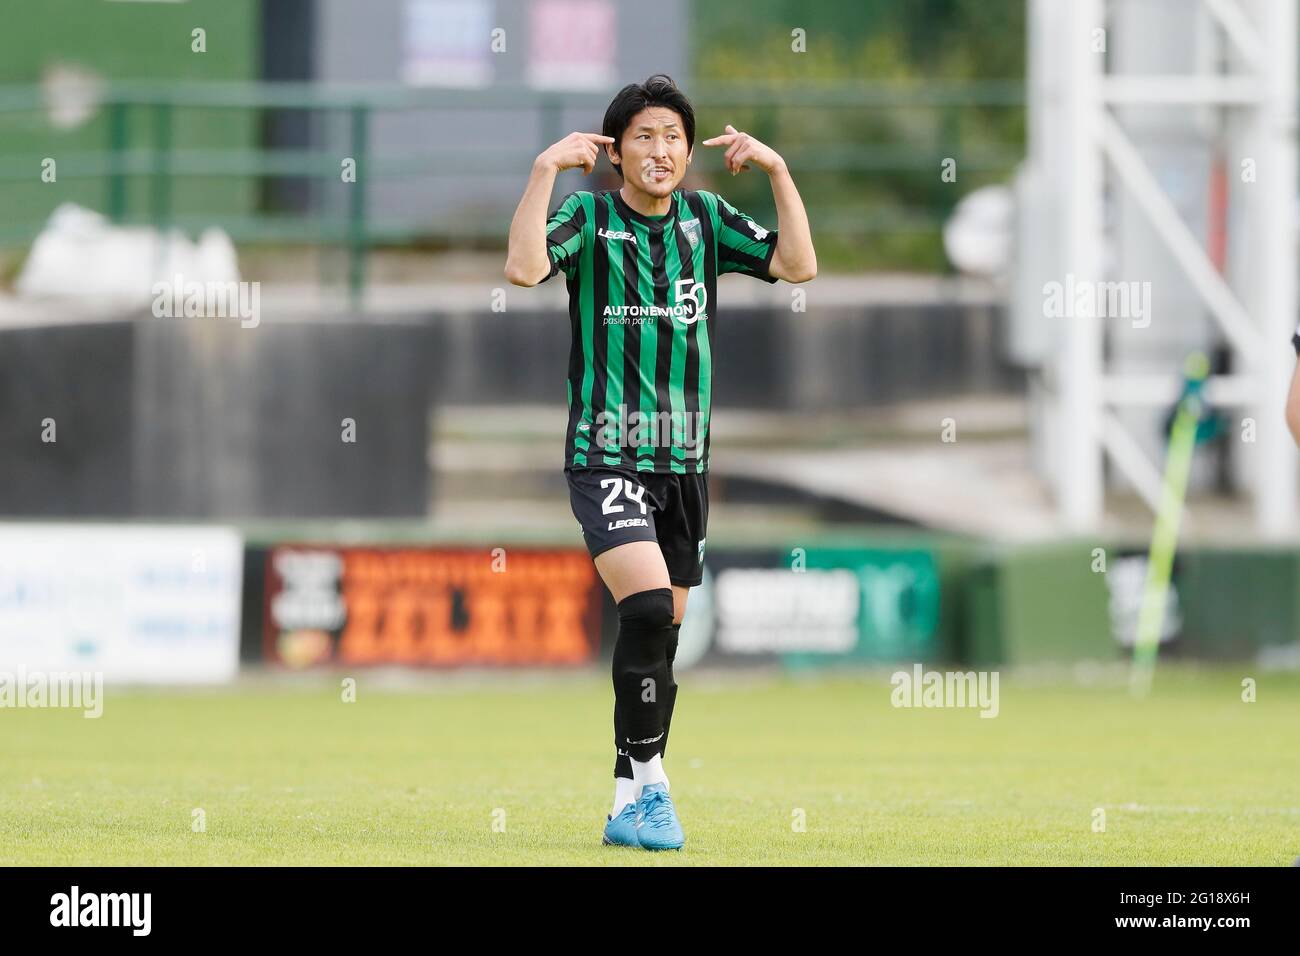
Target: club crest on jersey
{"points": [[691, 230], [624, 236]]}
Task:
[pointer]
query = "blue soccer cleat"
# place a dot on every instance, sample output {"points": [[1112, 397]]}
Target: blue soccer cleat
{"points": [[621, 830], [657, 826]]}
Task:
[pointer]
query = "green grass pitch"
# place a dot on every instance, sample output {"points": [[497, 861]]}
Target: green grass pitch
{"points": [[518, 770]]}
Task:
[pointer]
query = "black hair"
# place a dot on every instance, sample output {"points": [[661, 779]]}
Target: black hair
{"points": [[659, 90]]}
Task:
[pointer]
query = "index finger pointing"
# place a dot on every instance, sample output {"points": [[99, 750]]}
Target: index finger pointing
{"points": [[598, 138]]}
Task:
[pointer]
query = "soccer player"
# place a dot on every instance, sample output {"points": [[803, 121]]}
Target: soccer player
{"points": [[641, 264]]}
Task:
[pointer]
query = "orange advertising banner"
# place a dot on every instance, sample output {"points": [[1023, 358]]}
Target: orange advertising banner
{"points": [[430, 607]]}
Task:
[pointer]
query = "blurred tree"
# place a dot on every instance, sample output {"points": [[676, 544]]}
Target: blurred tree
{"points": [[870, 170]]}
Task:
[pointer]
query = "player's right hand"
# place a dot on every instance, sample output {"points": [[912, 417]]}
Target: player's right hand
{"points": [[576, 149]]}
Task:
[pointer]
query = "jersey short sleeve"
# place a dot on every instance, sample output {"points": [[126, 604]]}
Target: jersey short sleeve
{"points": [[743, 245], [565, 232]]}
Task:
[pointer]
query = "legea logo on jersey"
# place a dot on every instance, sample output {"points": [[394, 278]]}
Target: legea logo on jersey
{"points": [[624, 236]]}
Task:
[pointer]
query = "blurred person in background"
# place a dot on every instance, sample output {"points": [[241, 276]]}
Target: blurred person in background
{"points": [[1293, 395]]}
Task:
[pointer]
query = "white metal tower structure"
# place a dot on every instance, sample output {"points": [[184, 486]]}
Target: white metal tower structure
{"points": [[1081, 153]]}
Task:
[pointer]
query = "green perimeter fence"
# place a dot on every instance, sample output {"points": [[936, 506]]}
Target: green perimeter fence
{"points": [[193, 155]]}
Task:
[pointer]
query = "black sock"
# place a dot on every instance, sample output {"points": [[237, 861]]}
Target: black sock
{"points": [[622, 762], [670, 699], [640, 671]]}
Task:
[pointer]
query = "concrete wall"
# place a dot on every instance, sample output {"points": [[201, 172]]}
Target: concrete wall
{"points": [[203, 418]]}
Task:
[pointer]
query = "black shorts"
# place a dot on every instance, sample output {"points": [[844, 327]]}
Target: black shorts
{"points": [[616, 505]]}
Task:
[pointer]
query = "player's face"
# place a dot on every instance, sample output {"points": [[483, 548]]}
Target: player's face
{"points": [[654, 152]]}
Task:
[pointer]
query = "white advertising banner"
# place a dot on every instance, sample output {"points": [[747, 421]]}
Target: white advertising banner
{"points": [[573, 44], [147, 604], [448, 43]]}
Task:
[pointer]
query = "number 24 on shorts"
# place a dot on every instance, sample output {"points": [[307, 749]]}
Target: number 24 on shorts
{"points": [[631, 490]]}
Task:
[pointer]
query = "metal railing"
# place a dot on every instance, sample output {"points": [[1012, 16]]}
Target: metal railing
{"points": [[165, 164]]}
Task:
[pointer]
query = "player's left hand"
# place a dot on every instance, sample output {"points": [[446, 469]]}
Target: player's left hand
{"points": [[743, 149]]}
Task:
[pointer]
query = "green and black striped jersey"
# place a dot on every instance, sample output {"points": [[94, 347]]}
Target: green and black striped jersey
{"points": [[642, 305]]}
